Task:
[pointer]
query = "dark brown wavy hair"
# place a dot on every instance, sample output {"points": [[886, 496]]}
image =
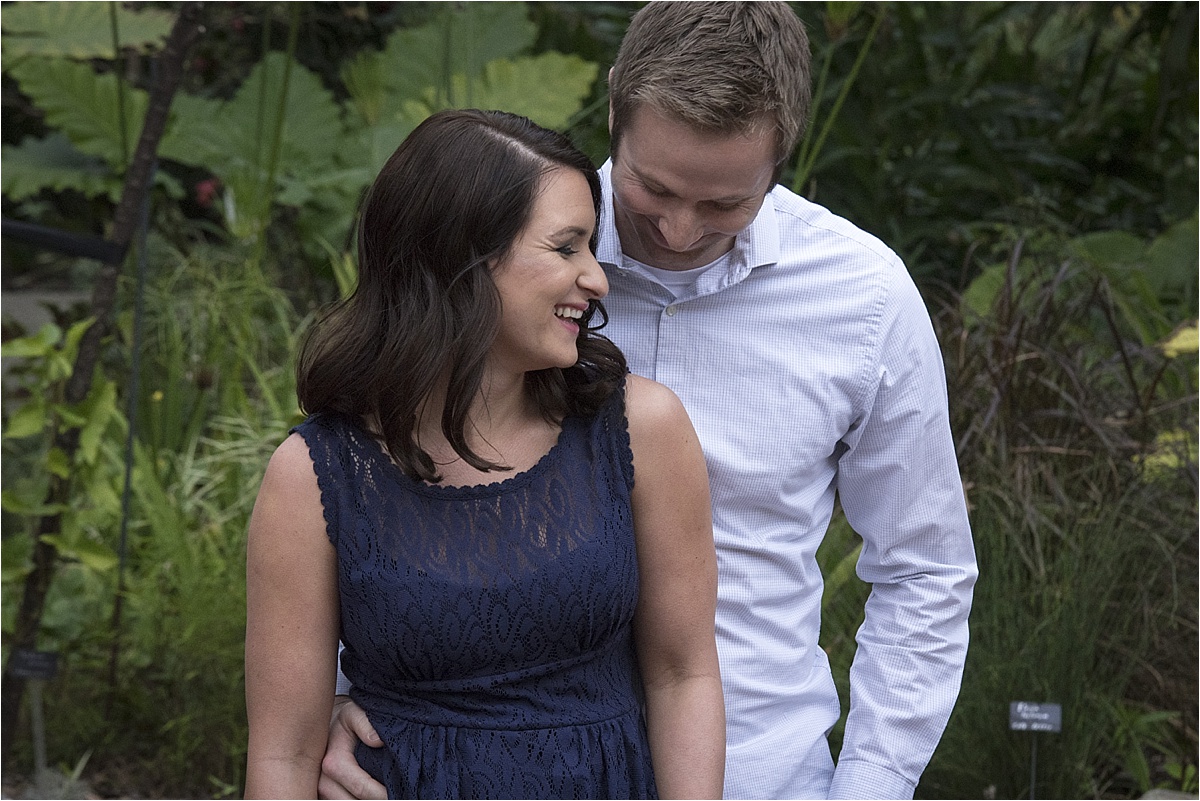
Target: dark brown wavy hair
{"points": [[453, 198]]}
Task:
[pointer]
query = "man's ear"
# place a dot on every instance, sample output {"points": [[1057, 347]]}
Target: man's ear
{"points": [[610, 101]]}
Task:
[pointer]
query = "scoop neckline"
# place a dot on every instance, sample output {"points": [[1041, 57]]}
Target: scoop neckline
{"points": [[509, 484]]}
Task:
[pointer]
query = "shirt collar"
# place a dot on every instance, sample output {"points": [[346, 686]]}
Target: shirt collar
{"points": [[758, 245]]}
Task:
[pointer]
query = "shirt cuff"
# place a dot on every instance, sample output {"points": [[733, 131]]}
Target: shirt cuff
{"points": [[854, 778]]}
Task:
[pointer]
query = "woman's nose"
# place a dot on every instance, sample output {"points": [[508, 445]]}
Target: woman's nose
{"points": [[592, 279]]}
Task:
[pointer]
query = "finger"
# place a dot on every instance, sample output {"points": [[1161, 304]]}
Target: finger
{"points": [[360, 785], [341, 776], [355, 722], [329, 788]]}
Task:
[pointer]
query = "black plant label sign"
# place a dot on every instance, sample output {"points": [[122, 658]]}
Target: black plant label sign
{"points": [[1028, 716], [33, 664]]}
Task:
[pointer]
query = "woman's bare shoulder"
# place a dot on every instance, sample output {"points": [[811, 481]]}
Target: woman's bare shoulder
{"points": [[656, 415], [650, 402]]}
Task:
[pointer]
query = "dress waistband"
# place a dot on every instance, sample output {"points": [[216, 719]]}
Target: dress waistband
{"points": [[588, 688]]}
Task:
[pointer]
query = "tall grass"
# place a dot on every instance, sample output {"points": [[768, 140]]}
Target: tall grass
{"points": [[1087, 552], [1087, 559], [1063, 613], [219, 396]]}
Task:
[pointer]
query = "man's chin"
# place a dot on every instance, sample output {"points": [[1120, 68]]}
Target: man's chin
{"points": [[667, 259]]}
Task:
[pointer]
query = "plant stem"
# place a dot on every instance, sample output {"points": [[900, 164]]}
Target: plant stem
{"points": [[183, 35], [809, 158]]}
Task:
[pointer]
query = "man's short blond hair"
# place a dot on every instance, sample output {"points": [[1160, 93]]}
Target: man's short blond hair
{"points": [[719, 67]]}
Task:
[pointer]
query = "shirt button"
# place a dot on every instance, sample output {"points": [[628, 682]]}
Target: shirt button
{"points": [[671, 310]]}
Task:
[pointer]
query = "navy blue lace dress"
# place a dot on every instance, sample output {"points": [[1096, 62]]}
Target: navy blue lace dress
{"points": [[487, 629]]}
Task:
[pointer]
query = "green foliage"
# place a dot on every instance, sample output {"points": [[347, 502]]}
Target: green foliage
{"points": [[1035, 164], [53, 163], [519, 86], [96, 117], [1060, 615], [1062, 395], [84, 105], [1171, 268], [177, 704], [1066, 117], [233, 139], [1140, 736], [79, 30], [837, 21], [47, 358], [297, 147], [459, 42]]}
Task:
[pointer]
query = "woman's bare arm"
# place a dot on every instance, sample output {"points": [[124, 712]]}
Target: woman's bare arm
{"points": [[674, 625], [291, 629]]}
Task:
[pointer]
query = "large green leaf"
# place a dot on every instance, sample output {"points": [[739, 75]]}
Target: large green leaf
{"points": [[548, 88], [99, 408], [188, 137], [236, 140], [54, 163], [26, 421], [373, 145], [458, 43], [980, 296], [79, 30], [40, 344], [84, 105], [92, 554], [1121, 258], [238, 134], [423, 59], [363, 78], [312, 127], [14, 558], [1110, 247], [1172, 266]]}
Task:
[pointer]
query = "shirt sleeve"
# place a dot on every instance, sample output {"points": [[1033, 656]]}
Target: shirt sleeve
{"points": [[900, 488], [342, 685]]}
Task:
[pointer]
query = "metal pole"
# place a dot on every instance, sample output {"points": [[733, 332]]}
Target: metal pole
{"points": [[1032, 763], [38, 724]]}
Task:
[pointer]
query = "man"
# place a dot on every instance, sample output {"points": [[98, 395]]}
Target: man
{"points": [[808, 364]]}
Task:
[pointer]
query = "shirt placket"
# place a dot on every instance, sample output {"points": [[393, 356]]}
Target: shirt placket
{"points": [[675, 321]]}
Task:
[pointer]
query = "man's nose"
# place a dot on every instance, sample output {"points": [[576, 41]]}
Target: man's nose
{"points": [[680, 228]]}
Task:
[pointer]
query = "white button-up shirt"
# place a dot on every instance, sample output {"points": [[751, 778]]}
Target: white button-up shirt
{"points": [[808, 364]]}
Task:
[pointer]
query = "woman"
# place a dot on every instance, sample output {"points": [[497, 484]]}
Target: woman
{"points": [[521, 617]]}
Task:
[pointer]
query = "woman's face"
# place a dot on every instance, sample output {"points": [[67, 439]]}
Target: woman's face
{"points": [[548, 278]]}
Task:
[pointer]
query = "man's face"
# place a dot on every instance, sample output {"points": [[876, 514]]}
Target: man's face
{"points": [[681, 196]]}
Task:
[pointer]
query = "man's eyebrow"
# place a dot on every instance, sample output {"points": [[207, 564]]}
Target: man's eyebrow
{"points": [[657, 186]]}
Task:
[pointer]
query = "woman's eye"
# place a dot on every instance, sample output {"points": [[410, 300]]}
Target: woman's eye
{"points": [[567, 250]]}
